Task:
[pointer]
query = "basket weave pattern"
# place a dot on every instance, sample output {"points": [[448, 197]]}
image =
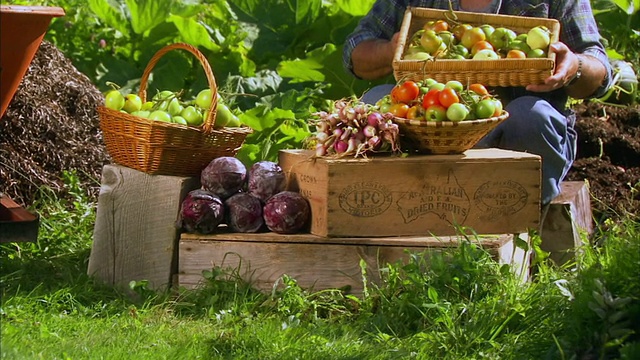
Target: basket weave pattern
{"points": [[445, 137], [500, 72], [161, 148]]}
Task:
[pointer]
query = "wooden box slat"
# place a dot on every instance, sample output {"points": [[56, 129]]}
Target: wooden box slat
{"points": [[317, 262]]}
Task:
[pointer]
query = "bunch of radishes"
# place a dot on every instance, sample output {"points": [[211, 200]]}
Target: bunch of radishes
{"points": [[354, 128]]}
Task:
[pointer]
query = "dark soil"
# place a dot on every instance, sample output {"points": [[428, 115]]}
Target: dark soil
{"points": [[51, 126], [609, 157]]}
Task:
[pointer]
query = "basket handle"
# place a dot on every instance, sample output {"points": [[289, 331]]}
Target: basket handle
{"points": [[207, 126]]}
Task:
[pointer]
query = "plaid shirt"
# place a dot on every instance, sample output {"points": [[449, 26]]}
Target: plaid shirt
{"points": [[578, 27]]}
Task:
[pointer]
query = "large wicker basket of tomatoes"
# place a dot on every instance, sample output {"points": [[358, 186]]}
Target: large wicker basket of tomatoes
{"points": [[490, 49], [442, 118]]}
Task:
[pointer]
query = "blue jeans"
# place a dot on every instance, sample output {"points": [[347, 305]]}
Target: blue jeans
{"points": [[533, 126]]}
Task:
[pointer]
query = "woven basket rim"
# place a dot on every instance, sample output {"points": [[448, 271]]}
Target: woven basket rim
{"points": [[160, 124]]}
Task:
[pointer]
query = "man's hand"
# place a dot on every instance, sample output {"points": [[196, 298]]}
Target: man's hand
{"points": [[566, 68], [567, 63]]}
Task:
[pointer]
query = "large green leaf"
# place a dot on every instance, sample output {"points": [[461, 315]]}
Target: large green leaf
{"points": [[628, 6], [146, 14], [307, 69], [355, 7], [307, 9], [109, 15], [194, 32]]}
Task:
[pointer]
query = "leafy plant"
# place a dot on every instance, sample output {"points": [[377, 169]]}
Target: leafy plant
{"points": [[618, 22]]}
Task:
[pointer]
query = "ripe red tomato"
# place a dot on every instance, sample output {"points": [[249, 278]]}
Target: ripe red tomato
{"points": [[431, 98], [405, 92], [447, 97]]}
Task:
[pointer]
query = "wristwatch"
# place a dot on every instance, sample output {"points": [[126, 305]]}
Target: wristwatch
{"points": [[577, 75]]}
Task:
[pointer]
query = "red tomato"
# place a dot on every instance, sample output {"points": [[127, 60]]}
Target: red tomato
{"points": [[405, 92], [447, 97], [431, 98], [399, 110]]}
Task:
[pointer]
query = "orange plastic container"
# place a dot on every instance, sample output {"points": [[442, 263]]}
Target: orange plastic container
{"points": [[21, 31]]}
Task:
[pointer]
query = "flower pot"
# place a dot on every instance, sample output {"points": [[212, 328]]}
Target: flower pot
{"points": [[21, 31]]}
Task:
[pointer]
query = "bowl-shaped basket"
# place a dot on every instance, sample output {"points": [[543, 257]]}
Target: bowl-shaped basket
{"points": [[444, 137]]}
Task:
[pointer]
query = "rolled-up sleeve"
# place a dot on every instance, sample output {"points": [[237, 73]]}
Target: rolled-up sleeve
{"points": [[381, 22], [580, 33]]}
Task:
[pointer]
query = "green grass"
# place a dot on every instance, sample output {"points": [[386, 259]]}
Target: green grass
{"points": [[460, 304]]}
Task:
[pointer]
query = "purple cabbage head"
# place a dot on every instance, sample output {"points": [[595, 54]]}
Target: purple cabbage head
{"points": [[224, 176], [201, 211], [244, 213], [266, 179], [286, 212]]}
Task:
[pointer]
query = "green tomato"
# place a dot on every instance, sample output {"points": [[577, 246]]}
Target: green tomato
{"points": [[538, 37], [192, 115], [384, 108], [132, 103], [437, 85], [234, 121], [428, 82], [148, 105], [142, 113], [174, 107], [164, 95], [223, 116], [457, 112], [114, 100], [537, 54], [203, 99], [455, 85], [179, 120], [485, 109], [436, 113], [160, 115]]}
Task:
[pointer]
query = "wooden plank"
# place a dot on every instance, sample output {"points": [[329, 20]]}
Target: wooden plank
{"points": [[17, 224], [492, 191], [324, 264], [566, 219], [135, 237]]}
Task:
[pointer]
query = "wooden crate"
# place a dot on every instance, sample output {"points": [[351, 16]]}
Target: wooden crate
{"points": [[316, 262], [135, 235], [567, 222], [491, 191], [500, 72], [17, 224]]}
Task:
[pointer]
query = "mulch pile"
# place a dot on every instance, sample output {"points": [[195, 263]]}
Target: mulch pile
{"points": [[52, 126]]}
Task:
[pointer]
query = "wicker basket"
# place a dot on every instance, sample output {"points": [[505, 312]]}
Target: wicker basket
{"points": [[161, 148], [444, 137], [499, 72]]}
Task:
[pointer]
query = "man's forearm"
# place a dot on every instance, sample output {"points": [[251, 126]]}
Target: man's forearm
{"points": [[592, 77], [372, 59]]}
